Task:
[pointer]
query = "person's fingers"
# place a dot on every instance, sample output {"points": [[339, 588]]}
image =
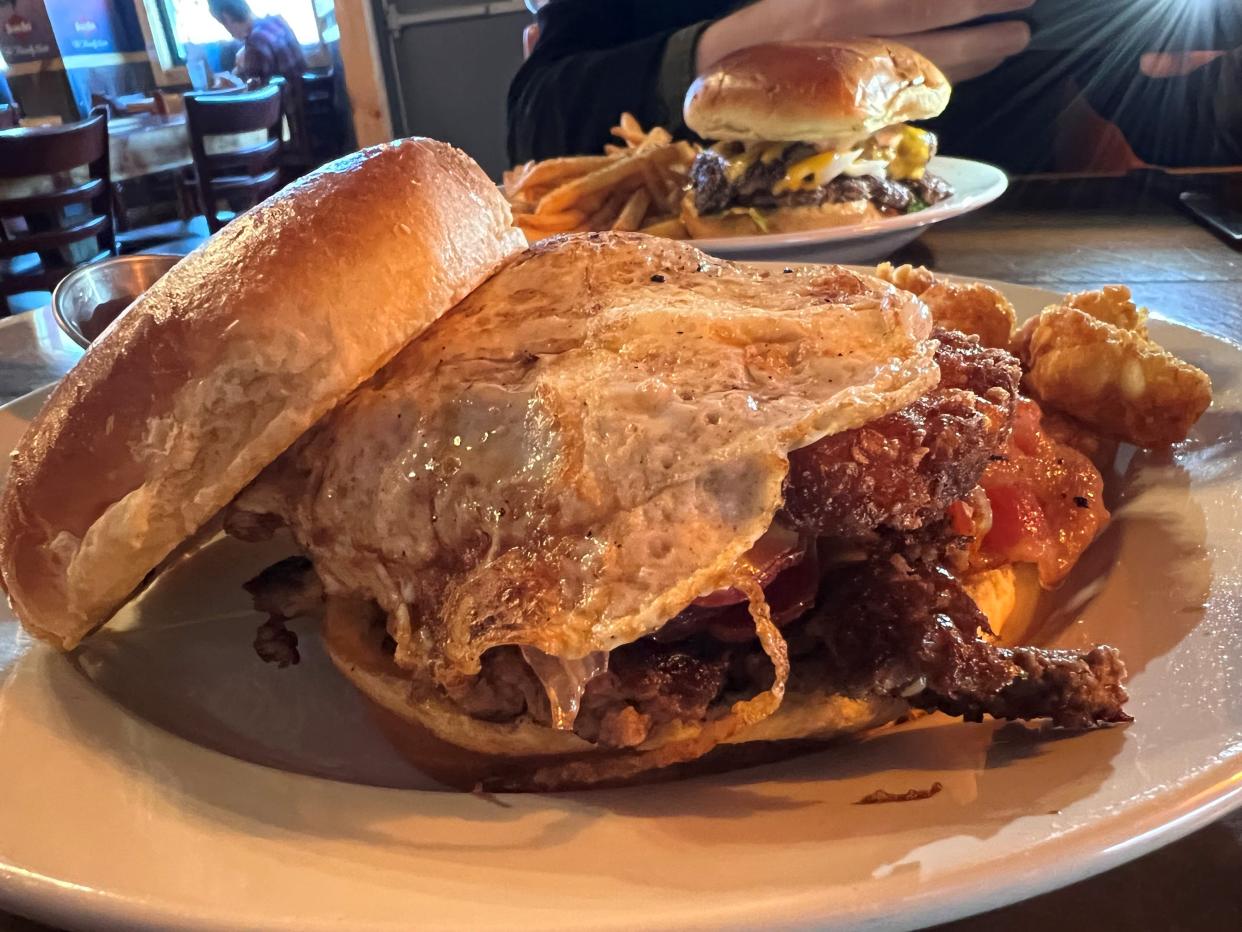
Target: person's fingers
{"points": [[784, 20], [960, 53], [842, 18], [964, 71]]}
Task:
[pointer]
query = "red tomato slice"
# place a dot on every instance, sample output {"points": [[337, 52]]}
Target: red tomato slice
{"points": [[1019, 527]]}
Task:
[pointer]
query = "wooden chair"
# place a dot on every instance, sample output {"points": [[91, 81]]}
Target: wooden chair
{"points": [[246, 175], [314, 131], [55, 203]]}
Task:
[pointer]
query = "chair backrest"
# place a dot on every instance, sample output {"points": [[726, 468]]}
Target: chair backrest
{"points": [[55, 202], [249, 172], [310, 106], [8, 116]]}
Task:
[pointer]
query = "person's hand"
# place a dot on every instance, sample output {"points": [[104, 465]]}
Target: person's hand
{"points": [[930, 27], [226, 81]]}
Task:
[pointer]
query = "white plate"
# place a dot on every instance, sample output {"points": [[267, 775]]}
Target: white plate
{"points": [[164, 778], [974, 183]]}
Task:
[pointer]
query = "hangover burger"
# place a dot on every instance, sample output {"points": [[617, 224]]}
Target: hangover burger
{"points": [[812, 134], [586, 510]]}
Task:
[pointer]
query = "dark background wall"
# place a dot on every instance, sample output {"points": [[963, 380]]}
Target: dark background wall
{"points": [[448, 77]]}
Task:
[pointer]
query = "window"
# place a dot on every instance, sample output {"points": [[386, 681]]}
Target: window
{"points": [[190, 21]]}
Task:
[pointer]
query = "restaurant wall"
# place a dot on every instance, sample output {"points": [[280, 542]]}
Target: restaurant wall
{"points": [[451, 76]]}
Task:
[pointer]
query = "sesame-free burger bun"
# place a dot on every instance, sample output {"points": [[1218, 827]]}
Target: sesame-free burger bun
{"points": [[814, 91], [226, 361]]}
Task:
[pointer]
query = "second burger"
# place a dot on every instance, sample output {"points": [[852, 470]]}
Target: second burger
{"points": [[811, 135]]}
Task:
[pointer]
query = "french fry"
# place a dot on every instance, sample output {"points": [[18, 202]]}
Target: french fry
{"points": [[655, 187], [633, 212], [672, 228], [607, 212], [513, 177], [565, 220], [656, 139], [572, 191], [553, 172], [630, 139], [686, 151], [629, 130], [635, 186]]}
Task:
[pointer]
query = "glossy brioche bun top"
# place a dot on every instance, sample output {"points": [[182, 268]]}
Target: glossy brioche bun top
{"points": [[226, 361], [814, 91]]}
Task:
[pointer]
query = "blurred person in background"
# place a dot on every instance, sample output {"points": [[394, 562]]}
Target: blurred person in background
{"points": [[269, 46], [1012, 96]]}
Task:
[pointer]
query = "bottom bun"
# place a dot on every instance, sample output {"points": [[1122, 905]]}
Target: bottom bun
{"points": [[777, 220], [460, 750]]}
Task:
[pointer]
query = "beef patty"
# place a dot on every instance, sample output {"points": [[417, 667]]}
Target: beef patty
{"points": [[879, 628], [715, 191]]}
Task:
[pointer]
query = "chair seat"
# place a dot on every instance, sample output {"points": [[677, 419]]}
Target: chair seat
{"points": [[149, 238], [41, 278], [25, 301], [20, 265], [176, 247]]}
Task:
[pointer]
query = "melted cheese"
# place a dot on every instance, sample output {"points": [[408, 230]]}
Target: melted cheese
{"points": [[740, 163], [815, 171], [565, 681], [913, 152]]}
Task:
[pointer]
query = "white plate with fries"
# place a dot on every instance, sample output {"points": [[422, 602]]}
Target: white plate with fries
{"points": [[640, 184], [974, 185], [162, 777], [635, 186]]}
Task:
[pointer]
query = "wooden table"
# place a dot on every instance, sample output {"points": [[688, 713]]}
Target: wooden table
{"points": [[1062, 236]]}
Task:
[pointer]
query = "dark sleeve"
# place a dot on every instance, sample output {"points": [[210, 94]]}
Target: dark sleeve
{"points": [[595, 60], [1193, 119], [259, 61]]}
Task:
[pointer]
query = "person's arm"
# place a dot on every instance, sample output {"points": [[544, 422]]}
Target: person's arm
{"points": [[595, 61], [258, 58], [1190, 119]]}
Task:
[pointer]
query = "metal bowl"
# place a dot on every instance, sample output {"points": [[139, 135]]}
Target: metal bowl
{"points": [[84, 290]]}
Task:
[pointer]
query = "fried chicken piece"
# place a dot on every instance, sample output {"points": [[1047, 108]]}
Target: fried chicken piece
{"points": [[969, 307], [912, 278], [972, 307], [905, 469], [1112, 305], [1116, 381]]}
